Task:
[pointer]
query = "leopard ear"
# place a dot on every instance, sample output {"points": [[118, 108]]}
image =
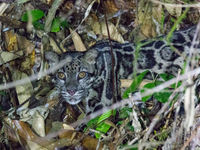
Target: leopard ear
{"points": [[90, 56], [52, 58]]}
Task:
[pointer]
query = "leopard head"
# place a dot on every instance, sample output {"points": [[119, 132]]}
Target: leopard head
{"points": [[76, 77]]}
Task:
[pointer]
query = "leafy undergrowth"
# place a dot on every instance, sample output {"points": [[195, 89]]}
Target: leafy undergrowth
{"points": [[161, 113]]}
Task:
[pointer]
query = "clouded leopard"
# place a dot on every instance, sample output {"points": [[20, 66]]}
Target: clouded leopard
{"points": [[87, 76]]}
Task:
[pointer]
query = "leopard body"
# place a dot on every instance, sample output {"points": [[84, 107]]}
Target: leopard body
{"points": [[87, 76]]}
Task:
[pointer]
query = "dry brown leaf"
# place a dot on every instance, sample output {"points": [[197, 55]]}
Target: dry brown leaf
{"points": [[148, 18], [9, 56], [22, 129], [55, 46], [68, 5], [79, 46], [71, 115], [38, 124], [157, 13], [25, 45], [28, 115], [3, 7], [61, 143], [94, 23], [114, 34], [127, 82], [29, 62], [100, 28], [32, 57], [15, 42], [174, 11], [87, 12], [35, 146], [49, 2], [67, 127], [23, 91], [87, 141], [11, 41], [110, 6], [91, 143]]}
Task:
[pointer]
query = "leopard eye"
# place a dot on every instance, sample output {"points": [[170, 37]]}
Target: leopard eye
{"points": [[82, 74], [61, 75]]}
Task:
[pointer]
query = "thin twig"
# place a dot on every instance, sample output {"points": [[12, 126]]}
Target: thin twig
{"points": [[194, 133], [51, 14], [176, 5]]}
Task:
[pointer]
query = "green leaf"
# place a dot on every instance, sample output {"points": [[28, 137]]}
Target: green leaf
{"points": [[105, 116], [130, 127], [165, 76], [134, 149], [57, 23], [145, 98], [103, 127], [149, 85], [176, 85], [64, 24], [97, 135], [119, 123], [124, 112], [136, 82], [92, 122], [3, 93], [35, 14], [55, 27], [162, 96], [96, 121], [38, 25]]}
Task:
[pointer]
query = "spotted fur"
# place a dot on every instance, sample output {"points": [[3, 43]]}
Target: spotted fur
{"points": [[95, 90]]}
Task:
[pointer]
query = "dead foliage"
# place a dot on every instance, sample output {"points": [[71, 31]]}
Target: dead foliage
{"points": [[32, 116]]}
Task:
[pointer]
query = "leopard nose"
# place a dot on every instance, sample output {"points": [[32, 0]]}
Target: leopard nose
{"points": [[71, 92]]}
